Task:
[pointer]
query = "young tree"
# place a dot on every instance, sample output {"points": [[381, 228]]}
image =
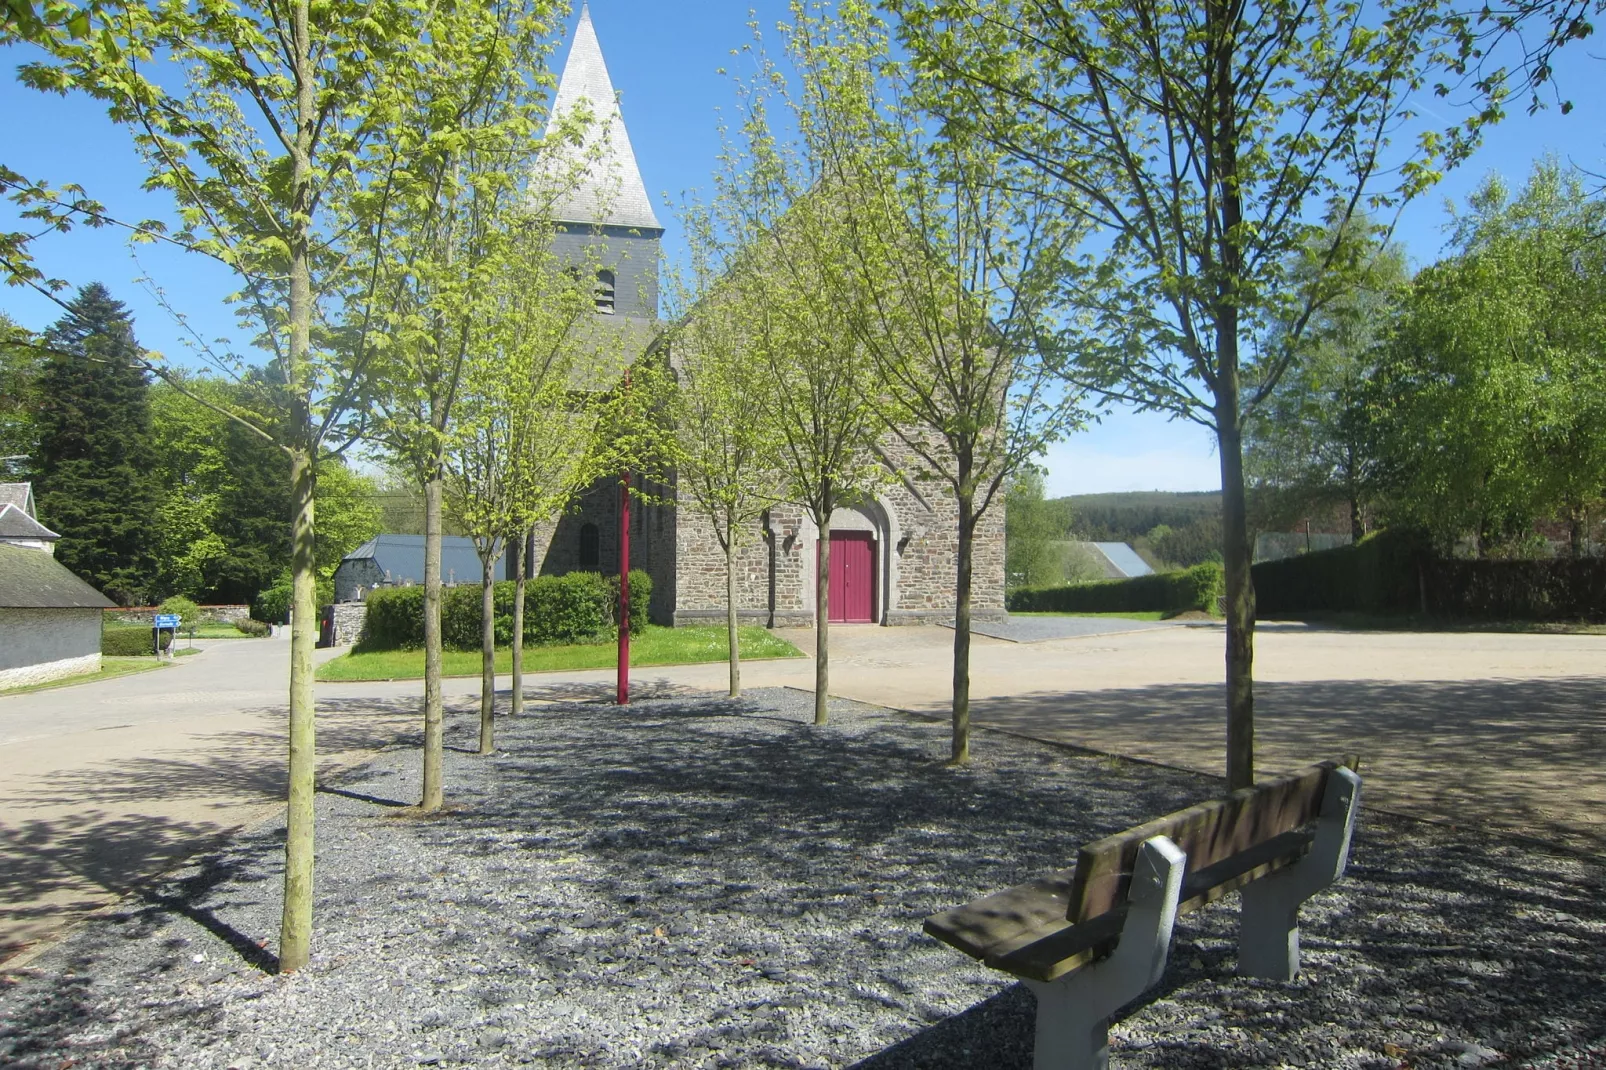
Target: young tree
{"points": [[95, 455], [726, 463], [779, 228], [455, 183], [953, 248], [1209, 143], [264, 153]]}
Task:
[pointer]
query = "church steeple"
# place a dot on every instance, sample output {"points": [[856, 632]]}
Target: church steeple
{"points": [[612, 193]]}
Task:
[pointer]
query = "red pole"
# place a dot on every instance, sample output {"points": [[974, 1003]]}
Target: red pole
{"points": [[624, 591]]}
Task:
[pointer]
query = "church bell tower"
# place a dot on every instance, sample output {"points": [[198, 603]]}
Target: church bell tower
{"points": [[605, 220]]}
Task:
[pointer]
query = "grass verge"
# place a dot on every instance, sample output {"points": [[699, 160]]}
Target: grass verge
{"points": [[656, 646], [110, 669], [1417, 622]]}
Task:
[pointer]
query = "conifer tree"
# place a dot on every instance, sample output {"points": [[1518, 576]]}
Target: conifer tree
{"points": [[95, 453]]}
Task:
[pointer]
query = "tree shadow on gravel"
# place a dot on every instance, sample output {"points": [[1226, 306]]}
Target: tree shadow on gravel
{"points": [[1527, 755], [727, 808]]}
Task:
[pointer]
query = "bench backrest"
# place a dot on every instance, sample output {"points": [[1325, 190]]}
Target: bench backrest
{"points": [[1209, 833]]}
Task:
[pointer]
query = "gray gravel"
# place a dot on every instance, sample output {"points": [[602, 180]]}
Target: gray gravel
{"points": [[1019, 629], [713, 883]]}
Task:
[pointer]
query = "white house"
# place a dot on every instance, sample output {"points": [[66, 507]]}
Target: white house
{"points": [[50, 619]]}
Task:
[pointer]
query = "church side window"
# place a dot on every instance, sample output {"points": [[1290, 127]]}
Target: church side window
{"points": [[589, 555], [606, 283]]}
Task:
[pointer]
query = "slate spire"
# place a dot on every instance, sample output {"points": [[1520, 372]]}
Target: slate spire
{"points": [[612, 192]]}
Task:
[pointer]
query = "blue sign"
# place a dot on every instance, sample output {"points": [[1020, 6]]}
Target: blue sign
{"points": [[167, 620]]}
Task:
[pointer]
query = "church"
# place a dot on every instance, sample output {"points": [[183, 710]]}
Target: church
{"points": [[893, 556]]}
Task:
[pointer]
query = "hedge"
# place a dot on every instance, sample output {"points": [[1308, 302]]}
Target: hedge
{"points": [[1559, 589], [1379, 574], [127, 642], [1196, 588], [574, 608]]}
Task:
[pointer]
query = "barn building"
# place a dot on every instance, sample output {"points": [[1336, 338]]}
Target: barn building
{"points": [[50, 620]]}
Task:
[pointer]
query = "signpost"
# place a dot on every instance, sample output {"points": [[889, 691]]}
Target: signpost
{"points": [[169, 621]]}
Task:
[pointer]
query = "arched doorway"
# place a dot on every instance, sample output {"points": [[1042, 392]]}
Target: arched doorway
{"points": [[857, 585]]}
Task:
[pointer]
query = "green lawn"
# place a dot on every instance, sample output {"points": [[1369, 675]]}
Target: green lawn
{"points": [[1134, 615], [657, 646], [110, 669]]}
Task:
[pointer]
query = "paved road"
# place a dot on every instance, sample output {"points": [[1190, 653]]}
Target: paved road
{"points": [[104, 783]]}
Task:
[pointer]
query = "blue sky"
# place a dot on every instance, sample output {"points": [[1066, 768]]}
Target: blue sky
{"points": [[664, 59]]}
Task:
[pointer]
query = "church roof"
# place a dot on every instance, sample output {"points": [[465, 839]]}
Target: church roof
{"points": [[611, 192]]}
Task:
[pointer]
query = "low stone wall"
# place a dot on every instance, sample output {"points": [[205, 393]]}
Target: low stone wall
{"points": [[46, 671], [147, 614]]}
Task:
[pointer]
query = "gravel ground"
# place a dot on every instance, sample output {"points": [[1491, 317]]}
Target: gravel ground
{"points": [[1018, 629], [714, 883]]}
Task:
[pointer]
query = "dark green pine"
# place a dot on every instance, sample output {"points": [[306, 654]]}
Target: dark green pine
{"points": [[93, 469]]}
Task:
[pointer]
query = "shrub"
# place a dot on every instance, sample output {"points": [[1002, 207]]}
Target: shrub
{"points": [[130, 641], [1379, 574], [640, 599], [272, 606], [394, 619], [573, 608], [1197, 588], [254, 628], [189, 614]]}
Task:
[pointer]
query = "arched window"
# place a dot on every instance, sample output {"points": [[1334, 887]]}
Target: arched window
{"points": [[606, 282], [589, 555]]}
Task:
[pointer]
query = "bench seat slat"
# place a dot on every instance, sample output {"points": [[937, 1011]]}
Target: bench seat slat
{"points": [[1005, 919]]}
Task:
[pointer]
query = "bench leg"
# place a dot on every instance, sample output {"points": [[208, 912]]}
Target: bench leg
{"points": [[1268, 920], [1073, 1012]]}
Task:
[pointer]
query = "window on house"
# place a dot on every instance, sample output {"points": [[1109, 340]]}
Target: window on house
{"points": [[590, 557], [606, 283]]}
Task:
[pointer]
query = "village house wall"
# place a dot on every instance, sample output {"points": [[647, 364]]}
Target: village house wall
{"points": [[37, 645]]}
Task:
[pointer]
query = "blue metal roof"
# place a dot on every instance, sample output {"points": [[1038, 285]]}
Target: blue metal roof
{"points": [[1125, 559], [401, 557]]}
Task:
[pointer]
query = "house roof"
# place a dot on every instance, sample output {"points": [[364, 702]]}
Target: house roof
{"points": [[611, 192], [18, 494], [401, 557], [1124, 562], [16, 524], [33, 579]]}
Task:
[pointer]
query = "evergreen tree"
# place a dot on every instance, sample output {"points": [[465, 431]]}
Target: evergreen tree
{"points": [[93, 469]]}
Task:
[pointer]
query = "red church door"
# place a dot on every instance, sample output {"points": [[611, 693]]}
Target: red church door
{"points": [[852, 581]]}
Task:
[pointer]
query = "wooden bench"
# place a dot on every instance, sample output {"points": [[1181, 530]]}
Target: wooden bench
{"points": [[1090, 939]]}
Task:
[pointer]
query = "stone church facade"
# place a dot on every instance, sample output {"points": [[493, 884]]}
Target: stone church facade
{"points": [[894, 554]]}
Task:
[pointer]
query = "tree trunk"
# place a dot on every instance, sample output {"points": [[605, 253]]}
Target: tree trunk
{"points": [[488, 650], [434, 716], [1357, 524], [1236, 552], [295, 925], [1575, 532], [516, 703], [967, 543], [730, 614], [295, 930], [822, 624]]}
